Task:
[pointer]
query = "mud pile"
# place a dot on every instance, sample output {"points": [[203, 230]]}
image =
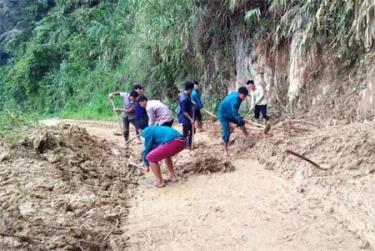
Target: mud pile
{"points": [[64, 189], [345, 149], [203, 159], [343, 186]]}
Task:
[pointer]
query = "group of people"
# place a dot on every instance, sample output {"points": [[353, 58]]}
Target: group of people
{"points": [[153, 121]]}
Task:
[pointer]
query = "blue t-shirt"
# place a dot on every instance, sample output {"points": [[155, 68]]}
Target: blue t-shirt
{"points": [[185, 106], [228, 109], [196, 98], [140, 112], [157, 135]]}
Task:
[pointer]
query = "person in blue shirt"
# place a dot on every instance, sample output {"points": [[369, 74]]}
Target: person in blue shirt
{"points": [[186, 110], [161, 142], [228, 113], [198, 105], [141, 118]]}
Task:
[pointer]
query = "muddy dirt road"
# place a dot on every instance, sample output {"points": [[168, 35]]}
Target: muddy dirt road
{"points": [[248, 209]]}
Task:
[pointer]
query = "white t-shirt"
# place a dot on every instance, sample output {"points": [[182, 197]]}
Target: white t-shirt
{"points": [[126, 102], [158, 113], [257, 96]]}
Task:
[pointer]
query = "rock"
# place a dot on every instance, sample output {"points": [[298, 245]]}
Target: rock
{"points": [[300, 189], [4, 157], [26, 208], [44, 142]]}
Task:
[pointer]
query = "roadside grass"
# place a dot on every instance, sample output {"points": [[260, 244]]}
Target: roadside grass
{"points": [[14, 125], [99, 108]]}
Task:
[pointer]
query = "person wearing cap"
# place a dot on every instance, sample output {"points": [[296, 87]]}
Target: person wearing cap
{"points": [[198, 105], [161, 142], [228, 113], [258, 100], [185, 114], [158, 113], [141, 118], [128, 111]]}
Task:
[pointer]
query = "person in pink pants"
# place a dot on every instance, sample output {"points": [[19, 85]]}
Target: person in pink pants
{"points": [[161, 142]]}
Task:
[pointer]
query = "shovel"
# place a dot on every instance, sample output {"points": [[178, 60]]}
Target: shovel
{"points": [[118, 118]]}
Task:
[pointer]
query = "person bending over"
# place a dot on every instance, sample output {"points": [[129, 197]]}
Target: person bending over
{"points": [[141, 118], [228, 113], [158, 113], [161, 142]]}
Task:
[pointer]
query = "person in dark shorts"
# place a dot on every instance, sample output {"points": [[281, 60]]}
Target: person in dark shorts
{"points": [[258, 101], [198, 105], [185, 115], [128, 111], [141, 118]]}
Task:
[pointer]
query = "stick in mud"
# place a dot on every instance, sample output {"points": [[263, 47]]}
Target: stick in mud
{"points": [[131, 139], [209, 113], [306, 159]]}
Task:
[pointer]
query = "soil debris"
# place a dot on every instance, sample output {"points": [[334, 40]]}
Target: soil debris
{"points": [[203, 159], [64, 189], [344, 184]]}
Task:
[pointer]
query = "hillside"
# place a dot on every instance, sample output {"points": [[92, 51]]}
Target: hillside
{"points": [[305, 184], [67, 55]]}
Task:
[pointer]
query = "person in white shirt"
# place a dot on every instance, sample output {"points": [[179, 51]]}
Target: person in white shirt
{"points": [[158, 113], [258, 100]]}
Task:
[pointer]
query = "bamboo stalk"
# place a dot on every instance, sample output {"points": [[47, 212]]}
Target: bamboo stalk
{"points": [[209, 113]]}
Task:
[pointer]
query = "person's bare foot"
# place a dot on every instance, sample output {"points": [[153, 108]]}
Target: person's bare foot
{"points": [[144, 169], [159, 184], [171, 180]]}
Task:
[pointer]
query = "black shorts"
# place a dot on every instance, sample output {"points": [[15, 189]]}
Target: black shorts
{"points": [[261, 110], [141, 123], [197, 115]]}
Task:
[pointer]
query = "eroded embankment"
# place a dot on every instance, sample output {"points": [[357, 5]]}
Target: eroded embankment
{"points": [[64, 189]]}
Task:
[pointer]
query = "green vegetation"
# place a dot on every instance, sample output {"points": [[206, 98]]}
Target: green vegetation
{"points": [[13, 125], [64, 56]]}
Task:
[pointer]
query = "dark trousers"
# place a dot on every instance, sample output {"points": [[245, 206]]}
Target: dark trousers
{"points": [[187, 132], [126, 126], [197, 115], [169, 123], [261, 110]]}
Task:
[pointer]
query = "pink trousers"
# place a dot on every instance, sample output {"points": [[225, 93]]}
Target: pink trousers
{"points": [[166, 150]]}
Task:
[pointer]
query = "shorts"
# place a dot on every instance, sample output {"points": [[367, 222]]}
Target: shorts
{"points": [[166, 150], [197, 115], [261, 110]]}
